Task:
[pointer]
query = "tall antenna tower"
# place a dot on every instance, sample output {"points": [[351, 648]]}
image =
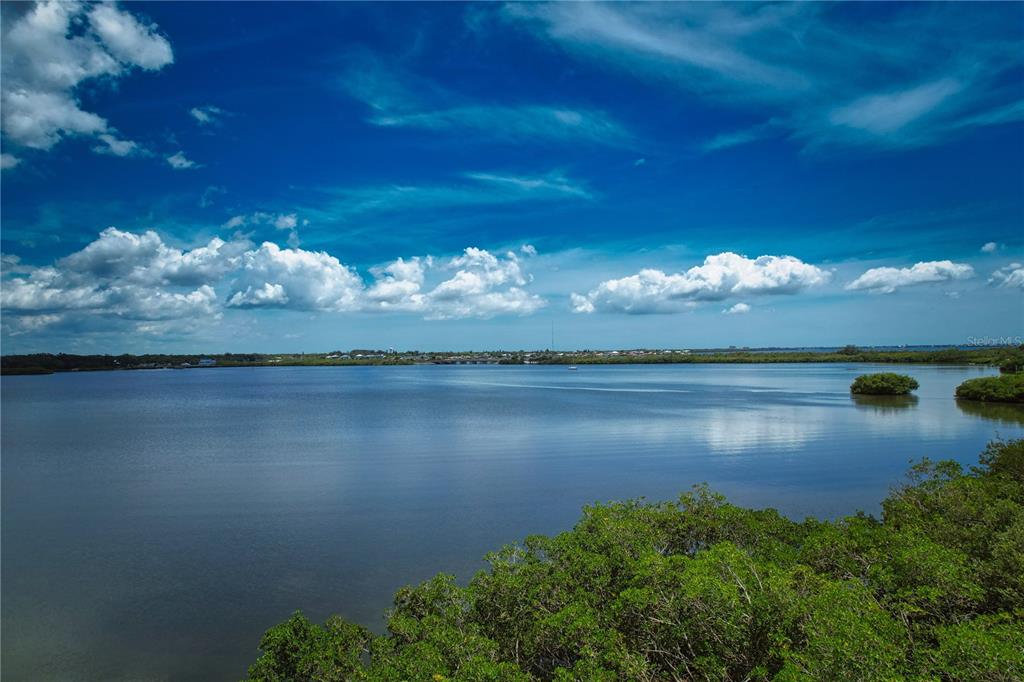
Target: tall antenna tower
{"points": [[552, 335]]}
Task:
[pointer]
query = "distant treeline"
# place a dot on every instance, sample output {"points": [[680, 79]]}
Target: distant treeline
{"points": [[48, 363], [1009, 359]]}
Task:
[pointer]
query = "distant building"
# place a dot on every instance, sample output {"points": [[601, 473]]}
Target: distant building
{"points": [[206, 362]]}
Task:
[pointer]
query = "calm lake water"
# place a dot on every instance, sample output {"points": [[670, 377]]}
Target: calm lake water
{"points": [[155, 523]]}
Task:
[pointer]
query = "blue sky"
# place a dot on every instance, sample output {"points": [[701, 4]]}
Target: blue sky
{"points": [[275, 177]]}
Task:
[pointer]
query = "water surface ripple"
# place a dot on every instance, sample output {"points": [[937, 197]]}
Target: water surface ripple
{"points": [[155, 523]]}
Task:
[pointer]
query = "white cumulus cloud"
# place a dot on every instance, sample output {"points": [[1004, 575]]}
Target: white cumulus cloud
{"points": [[125, 276], [398, 284], [178, 161], [990, 247], [136, 278], [721, 276], [737, 309], [115, 147], [207, 115], [53, 48], [887, 280], [475, 283], [305, 280], [279, 221], [146, 259], [1010, 276], [128, 39], [483, 285]]}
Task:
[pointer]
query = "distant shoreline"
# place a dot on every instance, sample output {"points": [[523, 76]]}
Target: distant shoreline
{"points": [[46, 363]]}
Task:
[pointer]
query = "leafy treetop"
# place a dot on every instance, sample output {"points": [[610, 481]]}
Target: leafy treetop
{"points": [[700, 589]]}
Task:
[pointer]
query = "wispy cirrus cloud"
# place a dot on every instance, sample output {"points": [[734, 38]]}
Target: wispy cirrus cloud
{"points": [[816, 73], [398, 99], [736, 138], [687, 43], [474, 189], [552, 184], [884, 114], [512, 123]]}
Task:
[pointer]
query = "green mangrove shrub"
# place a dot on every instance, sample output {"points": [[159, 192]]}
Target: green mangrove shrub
{"points": [[883, 383], [699, 589], [1013, 362], [1005, 388]]}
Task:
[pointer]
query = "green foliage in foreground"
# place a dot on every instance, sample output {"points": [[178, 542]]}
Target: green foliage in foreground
{"points": [[700, 589], [884, 383], [1005, 388]]}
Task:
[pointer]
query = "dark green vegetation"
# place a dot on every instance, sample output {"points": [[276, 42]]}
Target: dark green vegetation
{"points": [[47, 363], [700, 589], [884, 383], [1005, 388], [1013, 361], [997, 356]]}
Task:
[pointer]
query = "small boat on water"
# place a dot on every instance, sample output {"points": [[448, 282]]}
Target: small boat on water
{"points": [[572, 368]]}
